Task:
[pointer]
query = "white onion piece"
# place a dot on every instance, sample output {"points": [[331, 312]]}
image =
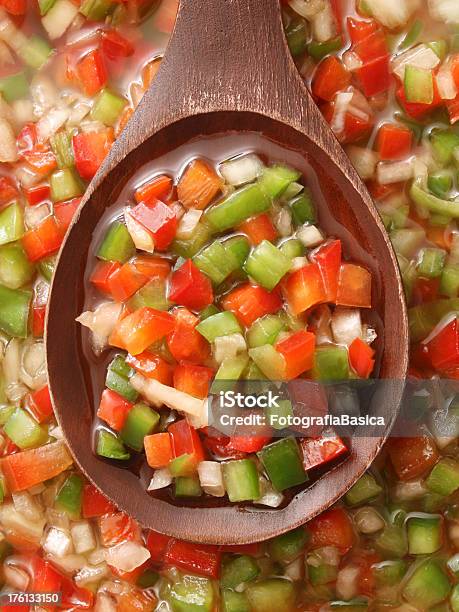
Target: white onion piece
{"points": [[33, 367], [407, 491], [10, 34], [8, 146], [70, 563], [394, 172], [162, 478], [50, 123], [104, 603], [342, 103], [14, 389], [127, 556], [96, 556], [57, 542], [364, 160], [352, 61], [298, 262], [59, 18], [347, 580], [283, 221], [91, 573], [324, 24], [15, 577], [211, 478], [446, 84], [420, 56], [227, 347], [101, 322], [91, 127], [241, 170], [141, 237], [27, 505], [188, 224], [83, 537], [307, 8], [23, 112], [269, 496], [310, 236], [44, 94], [392, 13], [368, 520], [346, 325], [34, 215], [27, 176], [444, 10], [78, 112]]}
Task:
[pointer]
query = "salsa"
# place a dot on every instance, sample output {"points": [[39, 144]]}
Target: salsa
{"points": [[392, 542], [216, 275]]}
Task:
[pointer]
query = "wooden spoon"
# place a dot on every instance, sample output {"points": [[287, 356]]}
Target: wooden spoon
{"points": [[227, 67]]}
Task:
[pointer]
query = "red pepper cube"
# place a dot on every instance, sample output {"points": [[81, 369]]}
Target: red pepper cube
{"points": [[298, 351], [37, 194], [330, 77], [361, 358], [92, 72], [126, 281], [157, 544], [328, 259], [43, 240], [38, 320], [157, 189], [184, 342], [115, 46], [95, 503], [331, 528], [158, 219], [394, 141], [102, 273], [354, 286], [65, 211], [419, 110], [39, 404], [193, 379], [360, 30], [304, 288], [190, 287], [90, 149], [8, 191], [250, 302], [443, 347], [153, 267], [258, 229], [140, 329], [412, 457], [201, 559], [158, 450], [14, 7], [453, 110], [113, 409], [115, 528], [186, 441], [321, 450], [152, 366], [374, 76]]}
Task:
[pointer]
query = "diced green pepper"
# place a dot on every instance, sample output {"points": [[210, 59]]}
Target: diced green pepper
{"points": [[237, 247], [440, 183], [184, 465], [319, 50], [35, 52], [188, 248], [237, 570], [187, 486], [391, 542], [220, 324], [70, 496], [419, 85], [14, 311], [107, 107], [265, 330], [191, 594], [364, 490], [270, 361], [11, 223], [292, 248], [271, 595], [454, 599], [153, 295], [274, 180], [297, 37], [140, 422], [61, 144], [230, 369], [424, 534], [6, 410], [147, 579], [389, 573], [439, 47], [24, 431], [216, 261], [110, 446], [428, 585], [282, 463], [331, 364], [97, 10], [276, 416], [118, 379], [246, 202], [14, 86], [233, 601], [241, 480], [15, 269], [444, 477], [449, 282], [288, 546], [65, 185], [413, 34], [431, 262], [46, 267], [45, 6], [117, 244], [448, 208], [444, 142], [267, 265], [322, 574]]}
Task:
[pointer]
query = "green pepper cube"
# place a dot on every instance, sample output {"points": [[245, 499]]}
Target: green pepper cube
{"points": [[270, 361], [147, 579], [11, 223], [7, 410], [363, 491], [454, 599], [96, 10], [45, 6], [117, 244], [232, 601], [46, 267], [70, 496], [140, 422], [14, 311], [427, 586], [419, 85], [15, 269], [187, 486], [241, 480], [275, 179], [322, 574], [246, 202], [107, 107], [431, 262], [331, 364], [389, 573], [153, 295], [297, 37], [216, 261], [424, 534], [267, 265], [230, 369], [220, 324], [283, 465], [319, 50], [440, 183], [14, 86], [444, 477], [188, 248], [292, 248], [24, 431], [303, 209], [443, 143], [208, 311], [184, 465], [238, 248], [288, 546], [391, 542], [271, 595], [35, 52], [110, 446], [191, 594], [449, 281], [65, 185], [61, 144], [265, 330], [237, 570], [117, 379], [440, 48]]}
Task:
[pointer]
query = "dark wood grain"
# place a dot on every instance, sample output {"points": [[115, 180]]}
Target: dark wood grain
{"points": [[227, 67]]}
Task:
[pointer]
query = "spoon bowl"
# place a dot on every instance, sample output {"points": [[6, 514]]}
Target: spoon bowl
{"points": [[200, 90]]}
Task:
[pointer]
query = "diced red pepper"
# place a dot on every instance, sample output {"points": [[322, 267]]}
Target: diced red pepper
{"points": [[136, 600], [190, 287], [373, 46], [27, 138], [361, 358], [198, 185], [92, 72], [115, 46], [201, 559], [186, 441], [14, 7], [38, 194], [65, 211], [355, 128], [157, 189], [152, 366], [250, 302], [418, 110], [158, 450], [330, 77], [39, 404], [258, 229], [124, 282], [443, 346], [321, 450], [184, 342], [139, 330], [38, 320], [90, 149], [8, 191], [354, 286], [31, 467], [193, 379], [152, 266], [113, 409], [304, 288], [412, 457], [245, 440], [115, 528], [42, 159], [394, 141], [453, 110], [102, 273], [374, 76], [360, 30], [43, 240], [331, 528], [158, 219], [157, 544], [298, 351], [328, 259], [95, 503]]}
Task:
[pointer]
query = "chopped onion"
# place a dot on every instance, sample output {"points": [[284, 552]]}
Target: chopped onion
{"points": [[57, 542], [407, 491], [394, 172], [101, 322], [420, 56], [295, 570], [69, 563], [324, 24], [44, 94], [298, 262], [368, 520], [346, 325], [8, 146], [446, 84], [352, 61], [162, 478], [369, 334], [104, 603], [58, 19], [27, 176], [364, 160], [282, 221], [310, 236], [227, 347], [34, 215], [37, 489], [307, 8], [33, 367], [211, 478], [78, 112], [15, 577], [54, 518], [14, 389], [177, 209], [141, 237], [55, 431], [342, 102], [347, 580], [23, 112], [91, 127], [127, 556], [6, 111], [12, 519], [83, 537], [269, 496], [444, 10], [392, 13], [188, 224], [96, 556], [241, 170], [10, 34], [90, 574], [50, 123], [27, 505]]}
